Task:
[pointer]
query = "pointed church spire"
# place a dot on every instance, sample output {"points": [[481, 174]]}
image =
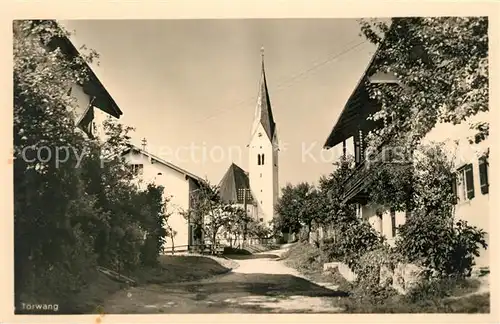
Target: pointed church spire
{"points": [[262, 57], [263, 111]]}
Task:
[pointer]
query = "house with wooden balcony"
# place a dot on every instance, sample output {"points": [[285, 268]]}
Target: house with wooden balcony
{"points": [[470, 160], [350, 132]]}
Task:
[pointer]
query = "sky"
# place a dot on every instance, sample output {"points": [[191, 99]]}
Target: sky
{"points": [[190, 86]]}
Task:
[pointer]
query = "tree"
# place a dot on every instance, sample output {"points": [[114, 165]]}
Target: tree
{"points": [[209, 214], [256, 229], [53, 251], [296, 208], [336, 212], [287, 219], [155, 224], [441, 64], [75, 203], [390, 183], [237, 226]]}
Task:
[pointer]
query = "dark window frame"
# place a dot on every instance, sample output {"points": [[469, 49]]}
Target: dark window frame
{"points": [[467, 180]]}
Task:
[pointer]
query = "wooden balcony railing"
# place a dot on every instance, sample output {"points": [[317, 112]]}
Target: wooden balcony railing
{"points": [[358, 179]]}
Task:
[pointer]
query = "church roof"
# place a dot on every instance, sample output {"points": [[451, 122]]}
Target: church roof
{"points": [[233, 183], [264, 111]]}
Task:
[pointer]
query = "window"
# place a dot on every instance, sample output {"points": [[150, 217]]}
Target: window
{"points": [[262, 159], [393, 222], [483, 175], [136, 169], [359, 210], [244, 194], [258, 159], [466, 183], [261, 175]]}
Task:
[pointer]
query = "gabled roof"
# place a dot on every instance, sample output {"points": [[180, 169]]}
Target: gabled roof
{"points": [[353, 113], [93, 86], [233, 180], [359, 105], [264, 112], [187, 174]]}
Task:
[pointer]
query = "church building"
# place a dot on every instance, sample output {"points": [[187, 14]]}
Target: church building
{"points": [[258, 188]]}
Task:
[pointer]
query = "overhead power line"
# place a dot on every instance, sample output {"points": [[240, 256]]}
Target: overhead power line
{"points": [[290, 81]]}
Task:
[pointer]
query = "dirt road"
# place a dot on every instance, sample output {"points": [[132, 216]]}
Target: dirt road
{"points": [[261, 283]]}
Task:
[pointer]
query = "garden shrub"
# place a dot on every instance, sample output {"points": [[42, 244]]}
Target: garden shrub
{"points": [[371, 283], [354, 239], [437, 243]]}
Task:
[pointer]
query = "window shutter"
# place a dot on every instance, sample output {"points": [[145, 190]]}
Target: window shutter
{"points": [[258, 159], [469, 179], [483, 175], [454, 188], [262, 161]]}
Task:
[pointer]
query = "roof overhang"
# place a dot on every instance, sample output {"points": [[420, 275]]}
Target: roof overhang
{"points": [[93, 86], [353, 117], [358, 108], [187, 174], [359, 105]]}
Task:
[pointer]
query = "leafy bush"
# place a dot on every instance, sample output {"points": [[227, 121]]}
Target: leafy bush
{"points": [[69, 216], [440, 245], [374, 274], [352, 241]]}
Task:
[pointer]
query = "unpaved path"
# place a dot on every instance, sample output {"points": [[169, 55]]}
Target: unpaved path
{"points": [[260, 283]]}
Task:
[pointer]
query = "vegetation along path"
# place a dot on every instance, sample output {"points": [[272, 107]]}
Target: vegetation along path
{"points": [[260, 283]]}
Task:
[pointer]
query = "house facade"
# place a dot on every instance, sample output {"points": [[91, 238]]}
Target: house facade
{"points": [[179, 187], [472, 187]]}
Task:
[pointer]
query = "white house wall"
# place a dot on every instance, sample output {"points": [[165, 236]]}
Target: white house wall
{"points": [[81, 106], [176, 190], [82, 101], [475, 211]]}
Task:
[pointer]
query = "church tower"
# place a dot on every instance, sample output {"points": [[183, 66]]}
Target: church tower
{"points": [[263, 154]]}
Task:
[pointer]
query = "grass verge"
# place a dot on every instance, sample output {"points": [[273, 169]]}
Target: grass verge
{"points": [[170, 269]]}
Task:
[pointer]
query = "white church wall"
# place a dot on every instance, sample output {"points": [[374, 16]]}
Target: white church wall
{"points": [[262, 177]]}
